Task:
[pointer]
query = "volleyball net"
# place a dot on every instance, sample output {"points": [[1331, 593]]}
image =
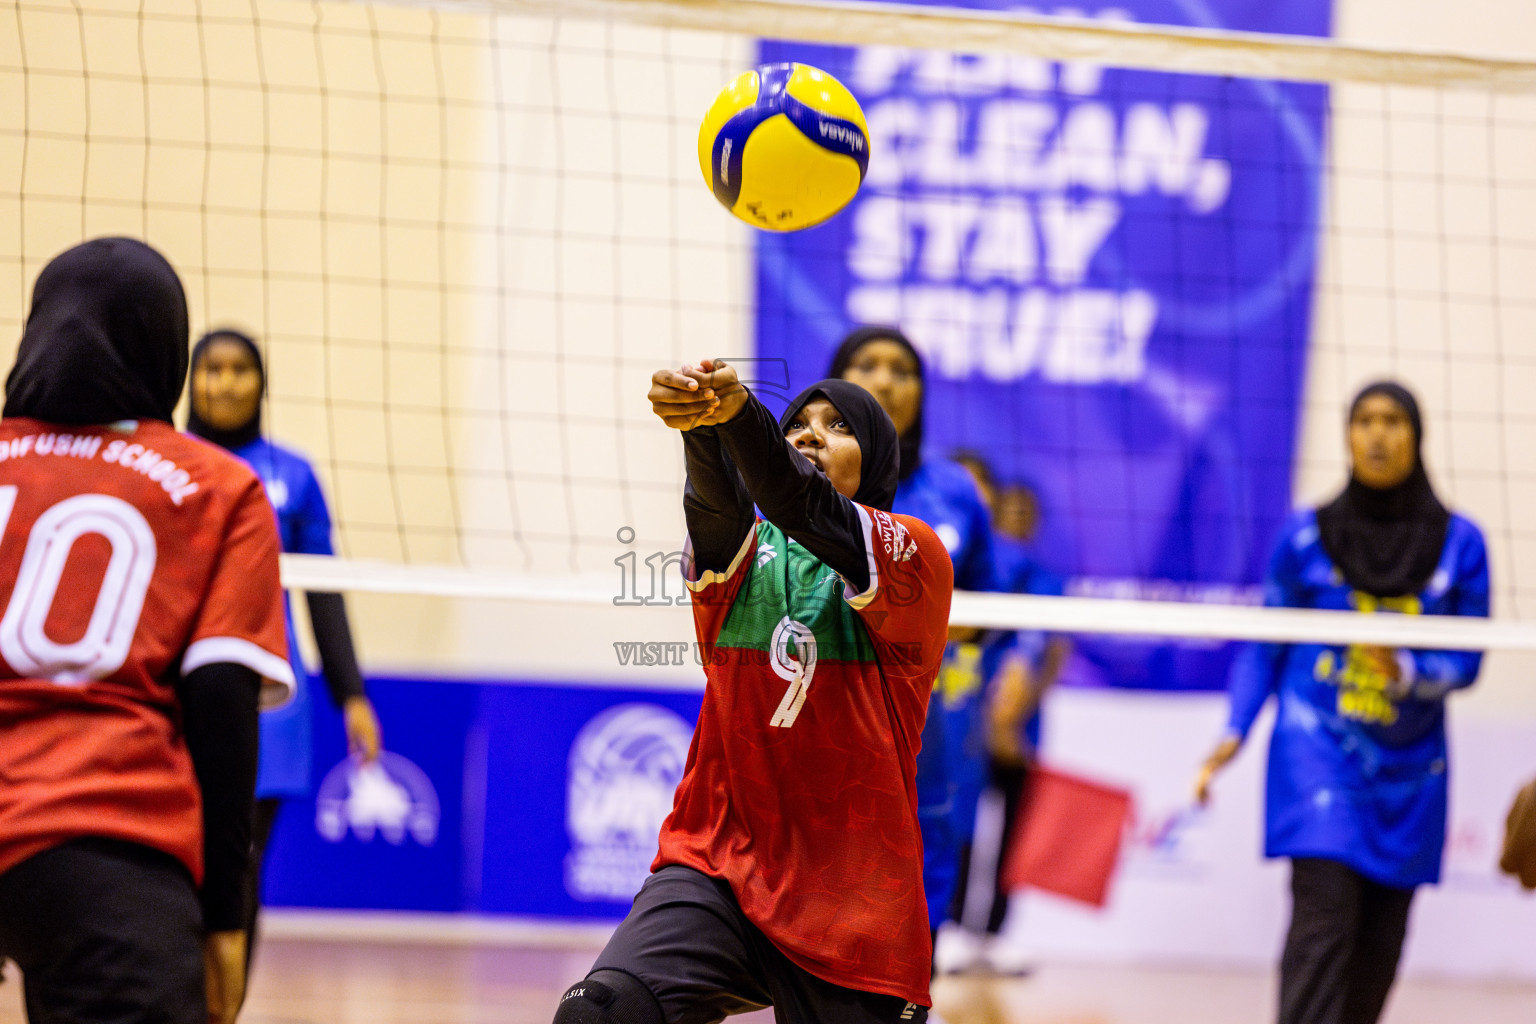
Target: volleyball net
{"points": [[1148, 267]]}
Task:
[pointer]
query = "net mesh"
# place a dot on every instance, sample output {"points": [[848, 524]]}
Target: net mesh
{"points": [[457, 238], [466, 237]]}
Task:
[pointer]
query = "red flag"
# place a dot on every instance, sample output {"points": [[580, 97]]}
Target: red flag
{"points": [[1067, 837]]}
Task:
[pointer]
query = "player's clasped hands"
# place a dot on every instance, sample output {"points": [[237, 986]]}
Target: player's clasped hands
{"points": [[697, 396]]}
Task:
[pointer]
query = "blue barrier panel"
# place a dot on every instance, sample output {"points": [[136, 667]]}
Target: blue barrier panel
{"points": [[578, 782], [495, 797], [391, 838]]}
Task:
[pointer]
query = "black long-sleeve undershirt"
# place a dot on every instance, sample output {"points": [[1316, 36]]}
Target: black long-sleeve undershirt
{"points": [[333, 636], [716, 505], [792, 493], [219, 721]]}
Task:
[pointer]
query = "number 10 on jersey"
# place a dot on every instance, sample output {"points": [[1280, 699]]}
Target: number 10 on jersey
{"points": [[108, 633]]}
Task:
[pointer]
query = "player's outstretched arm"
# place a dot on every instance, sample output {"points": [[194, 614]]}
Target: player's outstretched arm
{"points": [[792, 494], [715, 502]]}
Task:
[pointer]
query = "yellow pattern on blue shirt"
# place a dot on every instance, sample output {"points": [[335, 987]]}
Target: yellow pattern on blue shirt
{"points": [[1362, 686]]}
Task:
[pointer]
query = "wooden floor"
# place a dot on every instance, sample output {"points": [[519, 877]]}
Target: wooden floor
{"points": [[314, 981]]}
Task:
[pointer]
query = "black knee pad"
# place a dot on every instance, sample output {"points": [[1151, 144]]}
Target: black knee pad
{"points": [[608, 997]]}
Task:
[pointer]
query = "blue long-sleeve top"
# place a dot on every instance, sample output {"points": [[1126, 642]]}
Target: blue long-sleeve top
{"points": [[304, 525], [943, 494], [1357, 771]]}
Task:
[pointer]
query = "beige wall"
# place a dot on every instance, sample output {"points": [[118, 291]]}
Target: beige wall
{"points": [[1497, 28], [466, 240]]}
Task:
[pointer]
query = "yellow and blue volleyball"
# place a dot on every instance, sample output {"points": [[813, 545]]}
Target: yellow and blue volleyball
{"points": [[784, 146]]}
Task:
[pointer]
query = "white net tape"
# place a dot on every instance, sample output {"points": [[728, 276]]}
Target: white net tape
{"points": [[1187, 50], [990, 611]]}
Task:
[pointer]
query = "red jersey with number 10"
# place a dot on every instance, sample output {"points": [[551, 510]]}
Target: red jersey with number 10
{"points": [[129, 556], [800, 788]]}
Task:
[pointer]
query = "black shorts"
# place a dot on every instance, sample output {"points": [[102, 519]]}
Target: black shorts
{"points": [[687, 941], [105, 931]]}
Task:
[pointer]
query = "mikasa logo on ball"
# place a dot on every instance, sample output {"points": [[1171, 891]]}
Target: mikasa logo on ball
{"points": [[842, 133]]}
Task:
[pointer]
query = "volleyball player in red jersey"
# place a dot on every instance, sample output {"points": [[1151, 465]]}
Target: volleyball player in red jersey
{"points": [[790, 869], [141, 612]]}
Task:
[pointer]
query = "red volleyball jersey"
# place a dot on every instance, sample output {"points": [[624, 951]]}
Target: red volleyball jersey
{"points": [[800, 787], [129, 556]]}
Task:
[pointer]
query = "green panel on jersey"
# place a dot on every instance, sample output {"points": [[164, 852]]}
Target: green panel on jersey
{"points": [[779, 569]]}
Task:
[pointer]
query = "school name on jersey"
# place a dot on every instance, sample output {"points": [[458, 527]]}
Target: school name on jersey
{"points": [[68, 445], [175, 481]]}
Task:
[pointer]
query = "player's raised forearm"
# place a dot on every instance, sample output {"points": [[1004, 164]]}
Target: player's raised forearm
{"points": [[715, 502]]}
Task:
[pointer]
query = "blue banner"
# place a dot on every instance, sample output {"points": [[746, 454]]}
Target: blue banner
{"points": [[1109, 274]]}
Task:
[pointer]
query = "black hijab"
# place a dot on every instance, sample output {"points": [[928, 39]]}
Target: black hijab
{"points": [[912, 440], [1387, 542], [878, 449], [247, 432], [105, 340]]}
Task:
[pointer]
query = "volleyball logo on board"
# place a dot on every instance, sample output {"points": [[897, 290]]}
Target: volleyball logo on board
{"points": [[624, 766], [391, 797]]}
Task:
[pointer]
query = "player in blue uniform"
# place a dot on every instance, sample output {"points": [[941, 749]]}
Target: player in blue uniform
{"points": [[1356, 792], [228, 383], [942, 494]]}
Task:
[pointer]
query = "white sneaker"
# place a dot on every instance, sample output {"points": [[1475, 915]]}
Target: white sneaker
{"points": [[958, 951], [1010, 957]]}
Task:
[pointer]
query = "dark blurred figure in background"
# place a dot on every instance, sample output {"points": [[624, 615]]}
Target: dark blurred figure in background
{"points": [[1026, 664]]}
